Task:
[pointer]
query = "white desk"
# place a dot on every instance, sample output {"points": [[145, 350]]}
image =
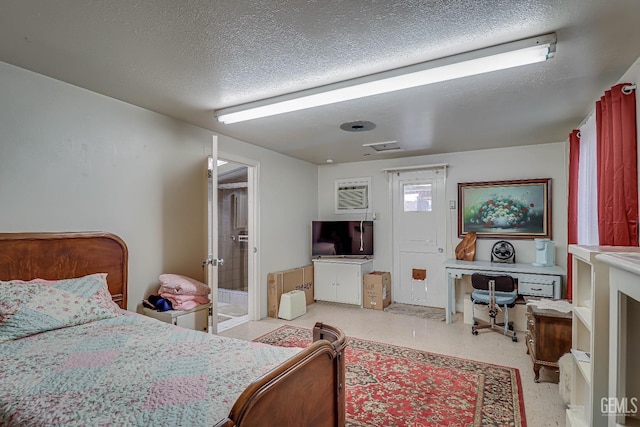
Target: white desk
{"points": [[535, 281]]}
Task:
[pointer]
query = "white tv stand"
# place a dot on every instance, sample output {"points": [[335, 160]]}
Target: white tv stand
{"points": [[340, 279]]}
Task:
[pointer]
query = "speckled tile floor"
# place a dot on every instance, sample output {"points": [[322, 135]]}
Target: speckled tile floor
{"points": [[543, 405]]}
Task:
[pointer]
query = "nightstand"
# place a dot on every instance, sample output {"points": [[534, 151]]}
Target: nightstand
{"points": [[548, 337], [197, 318]]}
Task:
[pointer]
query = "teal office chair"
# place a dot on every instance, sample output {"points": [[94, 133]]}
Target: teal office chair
{"points": [[498, 293]]}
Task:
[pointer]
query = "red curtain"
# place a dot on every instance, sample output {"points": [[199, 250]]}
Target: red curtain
{"points": [[574, 160], [617, 168]]}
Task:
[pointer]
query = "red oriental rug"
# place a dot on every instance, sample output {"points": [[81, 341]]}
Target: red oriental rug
{"points": [[389, 385]]}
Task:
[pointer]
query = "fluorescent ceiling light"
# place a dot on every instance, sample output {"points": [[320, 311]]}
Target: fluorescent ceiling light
{"points": [[522, 52]]}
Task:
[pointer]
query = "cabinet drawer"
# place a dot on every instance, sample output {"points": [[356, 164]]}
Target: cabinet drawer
{"points": [[535, 289]]}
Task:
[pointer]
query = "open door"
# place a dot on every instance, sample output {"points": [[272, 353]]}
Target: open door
{"points": [[212, 260]]}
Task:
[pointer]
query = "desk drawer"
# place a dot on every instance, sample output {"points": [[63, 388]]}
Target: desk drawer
{"points": [[535, 289]]}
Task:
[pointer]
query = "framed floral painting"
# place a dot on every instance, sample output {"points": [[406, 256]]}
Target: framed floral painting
{"points": [[505, 209]]}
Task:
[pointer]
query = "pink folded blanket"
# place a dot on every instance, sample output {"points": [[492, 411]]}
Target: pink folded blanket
{"points": [[177, 284], [185, 302], [181, 291]]}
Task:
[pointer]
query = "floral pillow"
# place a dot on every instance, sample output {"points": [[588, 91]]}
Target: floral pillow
{"points": [[28, 308]]}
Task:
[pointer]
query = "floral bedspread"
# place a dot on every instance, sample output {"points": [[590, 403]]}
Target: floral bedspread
{"points": [[129, 370]]}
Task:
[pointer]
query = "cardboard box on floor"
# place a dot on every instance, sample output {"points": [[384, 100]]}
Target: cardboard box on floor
{"points": [[288, 280], [377, 290]]}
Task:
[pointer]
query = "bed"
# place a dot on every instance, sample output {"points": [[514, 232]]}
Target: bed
{"points": [[70, 355]]}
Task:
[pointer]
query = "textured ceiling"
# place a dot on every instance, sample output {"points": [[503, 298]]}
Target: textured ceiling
{"points": [[186, 59]]}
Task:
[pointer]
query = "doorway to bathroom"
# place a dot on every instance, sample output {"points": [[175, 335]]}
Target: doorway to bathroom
{"points": [[233, 244]]}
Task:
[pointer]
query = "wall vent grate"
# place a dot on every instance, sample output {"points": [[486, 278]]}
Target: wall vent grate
{"points": [[353, 195], [381, 147]]}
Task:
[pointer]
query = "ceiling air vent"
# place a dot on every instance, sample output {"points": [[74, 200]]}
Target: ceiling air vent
{"points": [[353, 195], [384, 147]]}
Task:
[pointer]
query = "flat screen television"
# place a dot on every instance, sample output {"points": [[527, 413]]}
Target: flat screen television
{"points": [[342, 239]]}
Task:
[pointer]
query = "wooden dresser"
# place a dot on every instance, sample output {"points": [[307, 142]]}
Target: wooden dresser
{"points": [[548, 337]]}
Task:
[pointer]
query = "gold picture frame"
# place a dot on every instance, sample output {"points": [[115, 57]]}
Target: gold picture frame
{"points": [[516, 209]]}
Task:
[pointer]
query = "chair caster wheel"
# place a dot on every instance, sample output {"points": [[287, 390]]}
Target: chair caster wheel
{"points": [[474, 332], [510, 327], [514, 339]]}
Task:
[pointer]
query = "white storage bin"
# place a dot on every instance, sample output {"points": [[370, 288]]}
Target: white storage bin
{"points": [[197, 318], [292, 304]]}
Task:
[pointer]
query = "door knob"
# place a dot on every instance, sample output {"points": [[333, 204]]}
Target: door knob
{"points": [[213, 262]]}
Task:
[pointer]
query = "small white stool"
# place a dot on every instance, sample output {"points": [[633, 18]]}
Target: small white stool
{"points": [[292, 304]]}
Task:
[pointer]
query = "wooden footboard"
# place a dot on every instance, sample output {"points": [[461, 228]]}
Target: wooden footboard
{"points": [[307, 390]]}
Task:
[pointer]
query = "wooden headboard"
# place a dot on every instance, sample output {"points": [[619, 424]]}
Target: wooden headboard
{"points": [[55, 256]]}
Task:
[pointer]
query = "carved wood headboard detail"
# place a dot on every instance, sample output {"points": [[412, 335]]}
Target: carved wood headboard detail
{"points": [[56, 256]]}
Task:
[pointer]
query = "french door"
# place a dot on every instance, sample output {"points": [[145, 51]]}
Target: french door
{"points": [[212, 260]]}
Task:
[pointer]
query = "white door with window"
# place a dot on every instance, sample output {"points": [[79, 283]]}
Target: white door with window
{"points": [[249, 299], [212, 235], [419, 230]]}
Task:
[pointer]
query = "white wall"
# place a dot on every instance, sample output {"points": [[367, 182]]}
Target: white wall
{"points": [[536, 161], [74, 160], [633, 76]]}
